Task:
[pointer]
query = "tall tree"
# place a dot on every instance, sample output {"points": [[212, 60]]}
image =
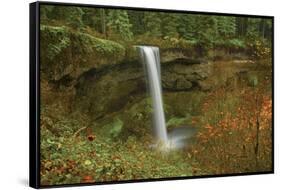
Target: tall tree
{"points": [[45, 11], [71, 15], [253, 29], [152, 21], [206, 29], [103, 22], [265, 28], [242, 26], [186, 26], [118, 22], [226, 26], [137, 20], [170, 24], [91, 18]]}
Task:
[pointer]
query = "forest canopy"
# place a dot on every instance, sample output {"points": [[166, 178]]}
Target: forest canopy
{"points": [[201, 32]]}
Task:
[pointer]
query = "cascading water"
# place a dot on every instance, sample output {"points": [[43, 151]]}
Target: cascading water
{"points": [[178, 137], [151, 60]]}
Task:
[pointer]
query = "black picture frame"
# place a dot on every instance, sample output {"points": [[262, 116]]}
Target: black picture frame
{"points": [[34, 93]]}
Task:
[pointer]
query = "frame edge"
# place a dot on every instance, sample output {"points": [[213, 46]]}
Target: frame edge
{"points": [[34, 142]]}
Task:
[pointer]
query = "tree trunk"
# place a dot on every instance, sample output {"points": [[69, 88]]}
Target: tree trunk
{"points": [[103, 23], [257, 132]]}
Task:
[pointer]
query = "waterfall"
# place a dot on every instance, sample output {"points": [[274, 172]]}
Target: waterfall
{"points": [[151, 59]]}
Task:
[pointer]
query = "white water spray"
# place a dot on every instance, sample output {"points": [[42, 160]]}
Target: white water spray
{"points": [[178, 137], [151, 60]]}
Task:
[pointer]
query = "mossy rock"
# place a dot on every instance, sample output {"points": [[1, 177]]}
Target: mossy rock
{"points": [[65, 52]]}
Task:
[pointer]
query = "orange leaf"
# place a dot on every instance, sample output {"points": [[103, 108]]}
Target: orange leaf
{"points": [[87, 179]]}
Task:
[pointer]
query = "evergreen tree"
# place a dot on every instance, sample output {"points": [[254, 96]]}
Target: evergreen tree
{"points": [[266, 29], [203, 31], [95, 18], [118, 22], [253, 27], [103, 22], [186, 26], [226, 26], [152, 21], [206, 29], [91, 18], [242, 25], [45, 11], [71, 15], [170, 24], [137, 20]]}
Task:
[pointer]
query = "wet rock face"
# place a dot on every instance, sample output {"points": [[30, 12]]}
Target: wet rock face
{"points": [[100, 92], [178, 77], [118, 89], [109, 90]]}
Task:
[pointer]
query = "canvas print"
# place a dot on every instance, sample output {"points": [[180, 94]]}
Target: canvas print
{"points": [[138, 94]]}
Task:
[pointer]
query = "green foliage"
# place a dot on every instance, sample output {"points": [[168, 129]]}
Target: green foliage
{"points": [[91, 18], [235, 43], [206, 31], [186, 26], [201, 32], [152, 24], [137, 19], [226, 26], [71, 15], [105, 47], [71, 159], [58, 39], [118, 22], [253, 28], [75, 20], [46, 11], [169, 25]]}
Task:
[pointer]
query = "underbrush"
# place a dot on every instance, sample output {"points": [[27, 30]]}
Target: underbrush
{"points": [[235, 130], [86, 157]]}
